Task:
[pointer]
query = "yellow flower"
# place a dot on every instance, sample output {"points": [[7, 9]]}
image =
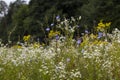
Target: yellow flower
{"points": [[53, 33], [108, 24], [17, 46], [105, 42], [99, 42], [36, 45], [103, 26], [92, 36], [95, 42], [26, 38]]}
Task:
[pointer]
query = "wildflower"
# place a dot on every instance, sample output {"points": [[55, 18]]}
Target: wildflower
{"points": [[86, 31], [100, 34], [99, 42], [95, 42], [48, 29], [53, 33], [57, 17], [52, 24], [79, 41], [108, 24], [26, 38], [79, 18], [36, 45], [17, 46], [57, 37], [104, 34], [103, 26], [92, 36], [73, 19], [105, 42]]}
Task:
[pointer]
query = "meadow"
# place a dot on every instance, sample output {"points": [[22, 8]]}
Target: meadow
{"points": [[92, 56]]}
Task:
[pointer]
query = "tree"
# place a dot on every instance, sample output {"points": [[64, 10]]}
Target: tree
{"points": [[17, 28], [22, 19], [3, 8], [3, 20], [8, 22]]}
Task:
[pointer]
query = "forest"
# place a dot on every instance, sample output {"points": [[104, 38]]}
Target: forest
{"points": [[20, 19]]}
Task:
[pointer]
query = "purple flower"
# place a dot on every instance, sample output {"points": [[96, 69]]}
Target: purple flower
{"points": [[48, 29], [57, 37], [52, 24], [100, 34], [79, 41], [86, 31], [57, 17]]}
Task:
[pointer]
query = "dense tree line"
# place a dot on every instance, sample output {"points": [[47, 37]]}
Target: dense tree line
{"points": [[22, 19]]}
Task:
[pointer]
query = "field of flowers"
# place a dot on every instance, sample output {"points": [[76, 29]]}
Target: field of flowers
{"points": [[94, 56]]}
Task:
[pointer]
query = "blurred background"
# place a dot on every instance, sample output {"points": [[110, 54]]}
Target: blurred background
{"points": [[23, 17]]}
